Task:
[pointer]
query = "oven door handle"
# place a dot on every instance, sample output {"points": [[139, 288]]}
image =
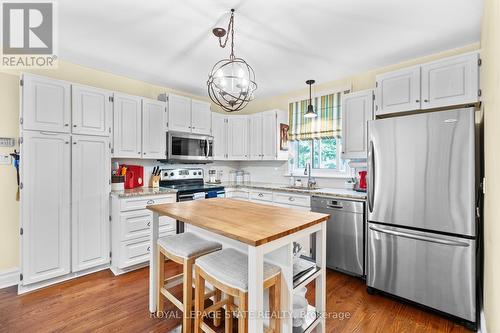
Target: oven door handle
{"points": [[182, 196]]}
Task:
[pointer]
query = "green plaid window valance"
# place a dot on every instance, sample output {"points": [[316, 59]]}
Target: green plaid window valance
{"points": [[328, 124]]}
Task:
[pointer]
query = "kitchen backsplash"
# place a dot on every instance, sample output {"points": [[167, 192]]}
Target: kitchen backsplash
{"points": [[274, 172]]}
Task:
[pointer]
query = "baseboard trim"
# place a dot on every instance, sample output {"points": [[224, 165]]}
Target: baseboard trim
{"points": [[482, 326], [9, 277]]}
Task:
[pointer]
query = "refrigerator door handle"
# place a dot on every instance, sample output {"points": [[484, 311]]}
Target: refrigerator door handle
{"points": [[419, 237], [371, 176]]}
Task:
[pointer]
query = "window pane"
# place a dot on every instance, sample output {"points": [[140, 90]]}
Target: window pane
{"points": [[316, 154], [303, 153], [328, 154]]}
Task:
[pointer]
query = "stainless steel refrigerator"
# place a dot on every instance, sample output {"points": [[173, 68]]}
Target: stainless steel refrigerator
{"points": [[422, 230]]}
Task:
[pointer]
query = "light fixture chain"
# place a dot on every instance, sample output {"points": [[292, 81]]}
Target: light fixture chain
{"points": [[232, 36], [230, 27]]}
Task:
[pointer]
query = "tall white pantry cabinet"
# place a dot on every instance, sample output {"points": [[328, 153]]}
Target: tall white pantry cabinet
{"points": [[65, 180]]}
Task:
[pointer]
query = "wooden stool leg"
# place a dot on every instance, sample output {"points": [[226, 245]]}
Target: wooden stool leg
{"points": [[160, 300], [217, 313], [275, 305], [228, 321], [242, 314], [187, 295], [199, 301]]}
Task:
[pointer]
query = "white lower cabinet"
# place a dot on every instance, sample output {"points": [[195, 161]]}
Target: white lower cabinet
{"points": [[130, 228], [91, 169], [259, 196], [237, 193], [45, 206]]}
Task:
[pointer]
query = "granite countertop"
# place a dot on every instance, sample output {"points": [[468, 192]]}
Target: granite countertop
{"points": [[322, 191], [142, 192]]}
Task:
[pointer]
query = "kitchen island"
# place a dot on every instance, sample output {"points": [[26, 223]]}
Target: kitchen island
{"points": [[261, 231]]}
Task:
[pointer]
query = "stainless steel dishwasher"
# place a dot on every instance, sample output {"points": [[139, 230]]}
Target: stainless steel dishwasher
{"points": [[345, 233]]}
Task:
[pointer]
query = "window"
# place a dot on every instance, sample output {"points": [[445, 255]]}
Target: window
{"points": [[319, 140], [321, 153]]}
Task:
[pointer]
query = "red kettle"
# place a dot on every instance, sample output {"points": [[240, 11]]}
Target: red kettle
{"points": [[362, 180]]}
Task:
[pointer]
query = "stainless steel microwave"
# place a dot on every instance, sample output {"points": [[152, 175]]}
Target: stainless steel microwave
{"points": [[189, 148]]}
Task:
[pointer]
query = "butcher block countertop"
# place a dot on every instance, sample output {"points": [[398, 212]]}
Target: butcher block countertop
{"points": [[251, 223]]}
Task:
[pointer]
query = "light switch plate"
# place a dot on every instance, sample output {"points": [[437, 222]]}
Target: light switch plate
{"points": [[5, 159]]}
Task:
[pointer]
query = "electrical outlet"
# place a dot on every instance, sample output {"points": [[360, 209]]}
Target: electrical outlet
{"points": [[5, 159]]}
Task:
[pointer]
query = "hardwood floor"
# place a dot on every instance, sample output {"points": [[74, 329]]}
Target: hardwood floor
{"points": [[102, 302]]}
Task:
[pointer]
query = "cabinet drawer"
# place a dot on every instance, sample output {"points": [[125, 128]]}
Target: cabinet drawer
{"points": [[136, 224], [261, 196], [292, 199], [237, 194], [142, 202], [134, 252]]}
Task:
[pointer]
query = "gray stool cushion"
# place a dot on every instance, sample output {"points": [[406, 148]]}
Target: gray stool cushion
{"points": [[187, 245], [230, 267]]}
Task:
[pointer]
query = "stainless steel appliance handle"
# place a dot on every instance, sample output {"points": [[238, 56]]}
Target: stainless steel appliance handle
{"points": [[208, 148], [335, 206], [419, 237], [371, 178], [185, 196]]}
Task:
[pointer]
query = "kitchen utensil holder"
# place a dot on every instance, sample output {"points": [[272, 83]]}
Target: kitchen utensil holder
{"points": [[154, 182]]}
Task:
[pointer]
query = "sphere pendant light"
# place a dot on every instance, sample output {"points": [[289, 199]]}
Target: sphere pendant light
{"points": [[231, 83], [310, 113]]}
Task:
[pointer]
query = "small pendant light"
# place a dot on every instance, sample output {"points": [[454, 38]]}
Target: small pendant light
{"points": [[310, 113]]}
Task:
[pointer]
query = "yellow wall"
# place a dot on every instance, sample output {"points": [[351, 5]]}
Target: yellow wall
{"points": [[357, 82], [9, 97], [490, 83]]}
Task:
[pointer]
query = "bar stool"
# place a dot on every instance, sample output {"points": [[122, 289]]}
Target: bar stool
{"points": [[183, 249], [227, 271]]}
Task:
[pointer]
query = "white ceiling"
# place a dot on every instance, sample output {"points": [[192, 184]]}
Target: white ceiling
{"points": [[286, 42]]}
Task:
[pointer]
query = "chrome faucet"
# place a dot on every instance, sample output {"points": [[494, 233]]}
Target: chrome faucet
{"points": [[311, 182]]}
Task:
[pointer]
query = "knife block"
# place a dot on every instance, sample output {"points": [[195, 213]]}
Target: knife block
{"points": [[154, 182]]}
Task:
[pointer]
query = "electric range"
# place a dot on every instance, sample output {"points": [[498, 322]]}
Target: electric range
{"points": [[190, 185]]}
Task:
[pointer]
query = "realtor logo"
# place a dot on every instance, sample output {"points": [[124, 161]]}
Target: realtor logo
{"points": [[28, 34]]}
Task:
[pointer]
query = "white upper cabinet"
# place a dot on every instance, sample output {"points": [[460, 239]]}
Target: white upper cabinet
{"points": [[91, 170], [237, 138], [127, 128], [153, 129], [45, 206], [452, 81], [179, 113], [270, 131], [219, 132], [46, 104], [91, 111], [357, 109], [398, 91], [255, 136], [201, 121]]}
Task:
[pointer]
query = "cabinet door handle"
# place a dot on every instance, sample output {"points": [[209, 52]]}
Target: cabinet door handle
{"points": [[291, 198], [150, 202], [261, 195], [417, 101], [149, 223], [66, 125], [148, 249], [74, 125], [426, 100], [139, 152]]}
